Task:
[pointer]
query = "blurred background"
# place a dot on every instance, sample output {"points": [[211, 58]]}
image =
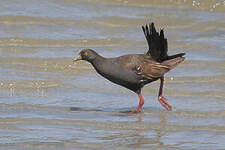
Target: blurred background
{"points": [[47, 102]]}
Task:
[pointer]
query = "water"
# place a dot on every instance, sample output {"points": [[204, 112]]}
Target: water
{"points": [[47, 102]]}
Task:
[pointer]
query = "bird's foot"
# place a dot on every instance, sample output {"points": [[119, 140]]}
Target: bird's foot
{"points": [[135, 111], [163, 102]]}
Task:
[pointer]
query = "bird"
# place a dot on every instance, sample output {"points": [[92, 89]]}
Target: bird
{"points": [[134, 71]]}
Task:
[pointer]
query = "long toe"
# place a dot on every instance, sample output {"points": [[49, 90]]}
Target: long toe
{"points": [[135, 111], [163, 102]]}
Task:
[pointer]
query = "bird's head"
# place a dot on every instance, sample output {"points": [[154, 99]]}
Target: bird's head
{"points": [[86, 54]]}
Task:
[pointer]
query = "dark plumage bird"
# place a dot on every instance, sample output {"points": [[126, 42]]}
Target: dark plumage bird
{"points": [[134, 71]]}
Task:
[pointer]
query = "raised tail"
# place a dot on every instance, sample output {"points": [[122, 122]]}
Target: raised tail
{"points": [[157, 43], [175, 56], [172, 63]]}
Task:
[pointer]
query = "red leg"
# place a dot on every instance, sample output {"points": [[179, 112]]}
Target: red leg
{"points": [[161, 98], [141, 103]]}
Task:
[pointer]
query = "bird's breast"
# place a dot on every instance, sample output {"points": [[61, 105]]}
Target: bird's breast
{"points": [[117, 74]]}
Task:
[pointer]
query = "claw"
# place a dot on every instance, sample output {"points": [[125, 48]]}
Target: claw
{"points": [[163, 102]]}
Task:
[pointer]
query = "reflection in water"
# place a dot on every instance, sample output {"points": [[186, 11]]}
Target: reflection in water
{"points": [[161, 133], [140, 140], [139, 117]]}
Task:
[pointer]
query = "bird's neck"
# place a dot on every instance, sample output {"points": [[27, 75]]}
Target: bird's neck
{"points": [[98, 60]]}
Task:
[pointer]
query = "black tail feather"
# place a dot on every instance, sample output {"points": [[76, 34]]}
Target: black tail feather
{"points": [[175, 56], [157, 43]]}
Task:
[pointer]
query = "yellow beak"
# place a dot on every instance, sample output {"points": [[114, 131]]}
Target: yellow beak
{"points": [[78, 58]]}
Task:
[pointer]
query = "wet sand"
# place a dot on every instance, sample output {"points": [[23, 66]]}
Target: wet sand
{"points": [[47, 102]]}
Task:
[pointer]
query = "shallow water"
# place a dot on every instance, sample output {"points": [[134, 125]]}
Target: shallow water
{"points": [[47, 102]]}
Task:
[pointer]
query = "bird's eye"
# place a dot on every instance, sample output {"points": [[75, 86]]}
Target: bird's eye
{"points": [[85, 53]]}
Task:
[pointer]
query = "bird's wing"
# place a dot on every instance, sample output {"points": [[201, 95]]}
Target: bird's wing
{"points": [[150, 69], [143, 66], [156, 42]]}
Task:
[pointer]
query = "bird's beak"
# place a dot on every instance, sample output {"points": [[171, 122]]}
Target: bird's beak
{"points": [[78, 58]]}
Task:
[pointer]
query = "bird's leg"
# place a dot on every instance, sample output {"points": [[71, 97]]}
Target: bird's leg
{"points": [[141, 103], [161, 98]]}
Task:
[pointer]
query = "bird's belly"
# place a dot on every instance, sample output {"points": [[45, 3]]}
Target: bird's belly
{"points": [[126, 79]]}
